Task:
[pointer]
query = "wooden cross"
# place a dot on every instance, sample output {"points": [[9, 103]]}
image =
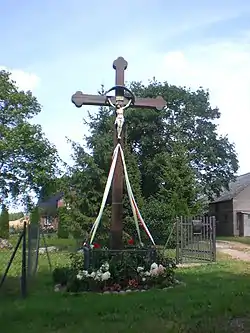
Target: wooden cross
{"points": [[80, 99]]}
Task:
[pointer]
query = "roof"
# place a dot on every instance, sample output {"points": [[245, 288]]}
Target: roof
{"points": [[51, 202], [235, 188]]}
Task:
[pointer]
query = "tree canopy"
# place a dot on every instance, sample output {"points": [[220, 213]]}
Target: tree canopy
{"points": [[175, 157], [27, 159]]}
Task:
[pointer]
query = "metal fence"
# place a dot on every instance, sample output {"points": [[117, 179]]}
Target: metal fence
{"points": [[196, 239], [95, 257], [33, 248]]}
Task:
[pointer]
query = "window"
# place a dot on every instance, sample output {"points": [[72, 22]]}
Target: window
{"points": [[48, 221]]}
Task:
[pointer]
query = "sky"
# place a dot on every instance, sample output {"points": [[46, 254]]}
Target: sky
{"points": [[55, 48]]}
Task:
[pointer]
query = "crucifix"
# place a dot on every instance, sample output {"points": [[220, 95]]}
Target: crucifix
{"points": [[120, 102]]}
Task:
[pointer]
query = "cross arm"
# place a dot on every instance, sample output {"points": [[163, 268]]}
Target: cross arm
{"points": [[80, 99], [158, 103]]}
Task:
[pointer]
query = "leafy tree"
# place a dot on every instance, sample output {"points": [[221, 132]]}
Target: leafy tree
{"points": [[35, 216], [62, 231], [27, 159], [189, 119], [4, 223], [83, 189]]}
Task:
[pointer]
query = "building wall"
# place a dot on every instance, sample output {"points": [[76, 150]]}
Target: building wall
{"points": [[224, 214], [241, 203], [48, 223]]}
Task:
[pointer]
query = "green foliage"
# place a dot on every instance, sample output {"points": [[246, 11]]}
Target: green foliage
{"points": [[35, 216], [27, 159], [63, 223], [115, 272], [16, 216], [61, 275], [189, 120], [4, 223]]}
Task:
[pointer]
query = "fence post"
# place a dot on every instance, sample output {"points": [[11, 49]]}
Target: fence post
{"points": [[33, 241], [177, 241], [24, 270], [213, 225]]}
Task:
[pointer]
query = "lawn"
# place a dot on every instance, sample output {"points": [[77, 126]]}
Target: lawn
{"points": [[243, 240], [214, 298]]}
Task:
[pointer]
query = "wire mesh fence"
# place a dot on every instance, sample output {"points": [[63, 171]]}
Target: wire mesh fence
{"points": [[43, 254]]}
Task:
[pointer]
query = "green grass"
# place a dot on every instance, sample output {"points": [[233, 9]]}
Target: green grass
{"points": [[52, 240], [242, 240], [215, 298]]}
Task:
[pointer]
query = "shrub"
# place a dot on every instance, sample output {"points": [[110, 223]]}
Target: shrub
{"points": [[117, 270], [61, 275]]}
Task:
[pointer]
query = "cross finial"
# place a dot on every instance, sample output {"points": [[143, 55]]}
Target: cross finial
{"points": [[120, 64]]}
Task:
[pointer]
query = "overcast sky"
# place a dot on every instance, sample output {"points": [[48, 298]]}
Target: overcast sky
{"points": [[57, 47]]}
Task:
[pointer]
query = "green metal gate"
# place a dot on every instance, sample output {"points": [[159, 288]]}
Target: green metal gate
{"points": [[196, 241]]}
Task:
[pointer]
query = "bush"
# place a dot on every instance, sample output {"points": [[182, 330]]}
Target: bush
{"points": [[117, 270], [61, 275]]}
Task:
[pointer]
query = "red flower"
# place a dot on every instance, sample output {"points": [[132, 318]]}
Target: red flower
{"points": [[131, 241], [96, 246]]}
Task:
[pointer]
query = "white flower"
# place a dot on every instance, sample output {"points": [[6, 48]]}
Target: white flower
{"points": [[147, 273], [106, 276], [92, 275], [79, 276], [143, 279], [154, 272], [140, 269], [98, 276], [105, 267], [153, 266], [161, 269]]}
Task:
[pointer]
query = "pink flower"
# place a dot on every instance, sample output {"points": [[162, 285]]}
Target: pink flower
{"points": [[161, 269]]}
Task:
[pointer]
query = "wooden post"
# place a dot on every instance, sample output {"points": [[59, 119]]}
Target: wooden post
{"points": [[116, 228]]}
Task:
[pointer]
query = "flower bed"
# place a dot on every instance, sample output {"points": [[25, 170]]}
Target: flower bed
{"points": [[117, 271]]}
